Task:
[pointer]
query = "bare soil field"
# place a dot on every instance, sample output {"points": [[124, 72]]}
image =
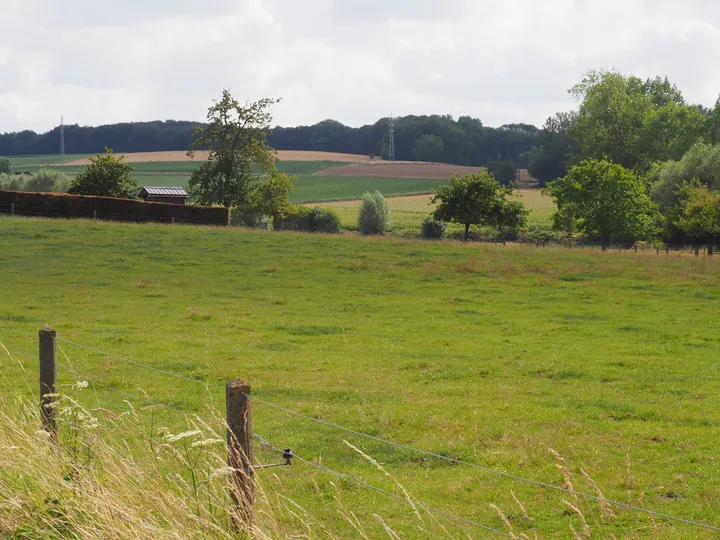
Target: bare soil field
{"points": [[284, 155], [400, 169]]}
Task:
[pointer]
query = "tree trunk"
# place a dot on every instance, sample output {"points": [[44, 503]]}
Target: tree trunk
{"points": [[710, 249], [605, 240], [467, 232]]}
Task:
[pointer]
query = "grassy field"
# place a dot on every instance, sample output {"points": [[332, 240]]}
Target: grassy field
{"points": [[487, 354], [20, 162], [408, 213]]}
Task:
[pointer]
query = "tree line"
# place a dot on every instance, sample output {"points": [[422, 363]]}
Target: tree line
{"points": [[434, 138]]}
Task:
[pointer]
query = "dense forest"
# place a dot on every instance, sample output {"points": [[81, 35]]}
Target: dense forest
{"points": [[464, 141]]}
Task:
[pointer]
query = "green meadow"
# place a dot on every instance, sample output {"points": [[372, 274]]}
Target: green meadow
{"points": [[488, 354], [408, 212]]}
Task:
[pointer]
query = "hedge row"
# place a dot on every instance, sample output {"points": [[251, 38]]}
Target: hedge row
{"points": [[64, 205]]}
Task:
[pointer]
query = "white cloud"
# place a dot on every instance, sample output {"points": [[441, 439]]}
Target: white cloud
{"points": [[352, 60]]}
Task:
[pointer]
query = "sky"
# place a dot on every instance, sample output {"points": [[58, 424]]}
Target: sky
{"points": [[99, 62]]}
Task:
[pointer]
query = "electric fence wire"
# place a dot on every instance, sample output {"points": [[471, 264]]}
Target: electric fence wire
{"points": [[456, 461], [267, 445]]}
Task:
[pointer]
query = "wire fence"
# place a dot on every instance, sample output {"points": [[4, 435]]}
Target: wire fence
{"points": [[517, 478]]}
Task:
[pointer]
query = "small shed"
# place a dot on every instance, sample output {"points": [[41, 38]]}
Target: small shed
{"points": [[172, 195]]}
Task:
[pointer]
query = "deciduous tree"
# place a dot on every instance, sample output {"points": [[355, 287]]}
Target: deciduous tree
{"points": [[235, 137], [478, 199], [603, 199], [106, 176]]}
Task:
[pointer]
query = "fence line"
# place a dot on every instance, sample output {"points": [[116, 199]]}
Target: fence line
{"points": [[267, 445], [402, 446]]}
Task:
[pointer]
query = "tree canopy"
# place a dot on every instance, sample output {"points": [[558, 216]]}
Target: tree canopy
{"points": [[106, 176], [478, 199], [235, 137], [604, 199]]}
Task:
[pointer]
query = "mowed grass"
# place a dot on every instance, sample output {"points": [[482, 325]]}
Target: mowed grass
{"points": [[487, 354], [408, 213]]}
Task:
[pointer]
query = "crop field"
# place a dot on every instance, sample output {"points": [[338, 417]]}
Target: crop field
{"points": [[487, 354], [180, 155], [408, 213]]}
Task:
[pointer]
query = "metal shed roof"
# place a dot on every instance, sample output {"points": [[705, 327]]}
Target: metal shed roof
{"points": [[165, 191]]}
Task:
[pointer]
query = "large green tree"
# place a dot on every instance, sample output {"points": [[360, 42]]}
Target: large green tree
{"points": [[600, 198], [633, 122], [238, 155], [701, 162], [699, 213], [271, 197], [106, 176], [478, 199]]}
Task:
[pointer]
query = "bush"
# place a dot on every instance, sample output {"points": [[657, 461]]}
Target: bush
{"points": [[240, 217], [324, 220], [298, 219], [106, 176], [318, 219], [433, 229], [374, 217], [43, 181], [4, 166]]}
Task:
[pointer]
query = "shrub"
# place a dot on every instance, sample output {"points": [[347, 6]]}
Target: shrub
{"points": [[106, 176], [48, 181], [324, 220], [4, 166], [297, 219], [433, 229], [241, 217], [374, 217], [43, 181]]}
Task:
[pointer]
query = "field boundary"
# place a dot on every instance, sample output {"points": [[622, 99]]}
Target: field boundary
{"points": [[61, 205]]}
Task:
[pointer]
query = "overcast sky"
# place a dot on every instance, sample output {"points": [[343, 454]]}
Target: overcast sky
{"points": [[100, 62]]}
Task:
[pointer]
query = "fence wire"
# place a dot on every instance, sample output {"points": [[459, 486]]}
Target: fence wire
{"points": [[394, 444]]}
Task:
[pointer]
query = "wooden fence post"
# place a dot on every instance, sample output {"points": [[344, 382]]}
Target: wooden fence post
{"points": [[48, 413], [12, 209], [95, 215], [240, 455]]}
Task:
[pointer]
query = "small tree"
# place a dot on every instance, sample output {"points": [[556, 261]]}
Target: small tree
{"points": [[374, 217], [235, 138], [699, 213], [4, 166], [478, 199], [272, 197], [601, 198], [106, 176]]}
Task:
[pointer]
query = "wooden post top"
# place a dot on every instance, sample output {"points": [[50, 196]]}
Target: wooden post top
{"points": [[46, 330], [238, 385]]}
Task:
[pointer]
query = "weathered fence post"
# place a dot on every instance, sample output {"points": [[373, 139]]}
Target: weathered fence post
{"points": [[172, 220], [95, 215], [667, 250], [240, 455], [48, 413], [12, 209]]}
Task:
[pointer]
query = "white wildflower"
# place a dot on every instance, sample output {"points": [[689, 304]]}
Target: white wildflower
{"points": [[80, 385], [179, 436], [222, 471], [207, 442]]}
